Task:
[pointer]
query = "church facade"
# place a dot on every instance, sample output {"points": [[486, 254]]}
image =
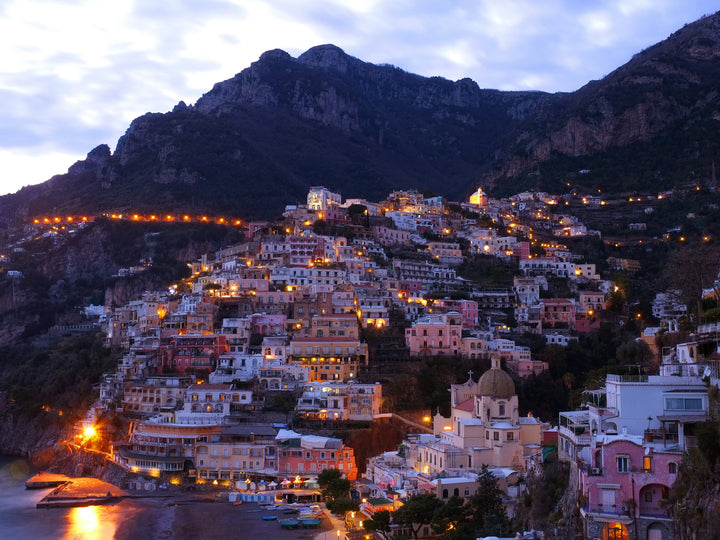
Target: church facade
{"points": [[484, 428]]}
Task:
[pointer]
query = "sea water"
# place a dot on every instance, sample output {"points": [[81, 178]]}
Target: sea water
{"points": [[20, 519]]}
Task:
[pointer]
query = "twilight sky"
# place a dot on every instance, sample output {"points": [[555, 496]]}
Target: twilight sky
{"points": [[75, 73]]}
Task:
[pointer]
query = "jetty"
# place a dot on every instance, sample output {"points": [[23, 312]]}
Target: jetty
{"points": [[81, 492], [45, 480]]}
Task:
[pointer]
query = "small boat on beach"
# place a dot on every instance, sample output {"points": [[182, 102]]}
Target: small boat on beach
{"points": [[269, 518], [290, 523], [313, 512], [310, 523]]}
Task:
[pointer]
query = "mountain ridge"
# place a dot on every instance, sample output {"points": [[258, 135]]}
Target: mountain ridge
{"points": [[258, 140]]}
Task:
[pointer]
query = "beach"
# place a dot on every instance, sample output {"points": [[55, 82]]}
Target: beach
{"points": [[194, 518]]}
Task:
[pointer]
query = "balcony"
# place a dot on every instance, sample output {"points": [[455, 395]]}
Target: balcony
{"points": [[620, 512]]}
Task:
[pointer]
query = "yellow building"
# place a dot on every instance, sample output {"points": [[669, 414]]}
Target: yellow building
{"points": [[479, 198]]}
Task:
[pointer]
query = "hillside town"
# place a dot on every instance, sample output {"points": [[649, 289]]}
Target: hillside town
{"points": [[236, 376]]}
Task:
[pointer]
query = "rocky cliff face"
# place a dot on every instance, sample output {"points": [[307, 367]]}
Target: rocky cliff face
{"points": [[27, 436], [671, 85]]}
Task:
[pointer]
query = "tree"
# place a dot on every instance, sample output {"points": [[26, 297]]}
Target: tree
{"points": [[489, 511], [333, 485], [689, 271], [450, 516], [379, 524], [634, 353], [417, 511], [336, 491]]}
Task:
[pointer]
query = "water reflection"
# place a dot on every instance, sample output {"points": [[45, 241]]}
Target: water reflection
{"points": [[90, 523]]}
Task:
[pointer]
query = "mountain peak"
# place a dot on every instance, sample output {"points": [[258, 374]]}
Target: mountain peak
{"points": [[325, 57], [273, 55]]}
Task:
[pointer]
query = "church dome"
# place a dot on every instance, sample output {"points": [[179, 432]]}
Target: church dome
{"points": [[495, 382]]}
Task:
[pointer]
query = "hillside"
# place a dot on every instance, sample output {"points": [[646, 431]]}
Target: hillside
{"points": [[257, 141]]}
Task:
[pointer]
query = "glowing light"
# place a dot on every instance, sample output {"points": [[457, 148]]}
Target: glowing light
{"points": [[88, 433]]}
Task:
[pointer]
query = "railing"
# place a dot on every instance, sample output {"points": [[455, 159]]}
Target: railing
{"points": [[583, 440], [627, 378], [615, 509]]}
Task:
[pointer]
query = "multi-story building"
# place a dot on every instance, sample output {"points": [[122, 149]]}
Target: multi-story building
{"points": [[626, 487], [320, 198], [344, 325], [527, 290], [155, 393], [446, 252], [629, 450], [191, 352], [558, 312], [340, 401], [238, 454], [162, 447], [423, 272], [591, 302], [435, 335], [468, 310], [388, 236], [212, 404], [328, 358], [308, 455]]}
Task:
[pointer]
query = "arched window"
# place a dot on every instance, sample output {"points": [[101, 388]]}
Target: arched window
{"points": [[445, 494], [456, 492], [672, 467]]}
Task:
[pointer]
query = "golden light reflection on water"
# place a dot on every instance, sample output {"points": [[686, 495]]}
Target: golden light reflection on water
{"points": [[19, 469], [89, 523]]}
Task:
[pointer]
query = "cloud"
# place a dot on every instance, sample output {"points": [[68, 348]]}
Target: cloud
{"points": [[74, 75]]}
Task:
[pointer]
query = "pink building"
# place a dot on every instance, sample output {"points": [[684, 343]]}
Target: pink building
{"points": [[468, 310], [191, 352], [435, 335], [267, 325], [307, 456], [558, 311], [625, 489], [521, 250], [526, 368]]}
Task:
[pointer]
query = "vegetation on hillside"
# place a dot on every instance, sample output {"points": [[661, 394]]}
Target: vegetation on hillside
{"points": [[60, 380]]}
